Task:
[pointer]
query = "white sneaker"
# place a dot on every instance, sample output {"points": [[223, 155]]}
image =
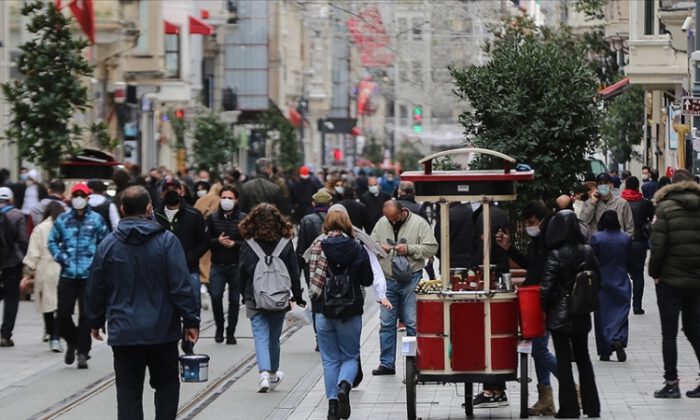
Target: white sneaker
{"points": [[55, 346], [275, 379], [205, 297], [264, 383]]}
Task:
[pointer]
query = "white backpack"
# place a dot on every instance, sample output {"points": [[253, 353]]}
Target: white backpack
{"points": [[272, 284]]}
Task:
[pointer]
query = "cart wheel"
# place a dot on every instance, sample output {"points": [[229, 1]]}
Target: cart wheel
{"points": [[524, 413], [469, 400], [411, 387]]}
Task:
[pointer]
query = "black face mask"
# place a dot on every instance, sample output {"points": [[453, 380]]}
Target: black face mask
{"points": [[397, 225], [171, 198]]}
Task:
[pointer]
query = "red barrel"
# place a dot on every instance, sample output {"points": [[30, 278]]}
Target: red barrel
{"points": [[532, 323]]}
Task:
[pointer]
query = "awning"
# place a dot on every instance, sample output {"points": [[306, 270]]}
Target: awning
{"points": [[615, 89], [171, 28], [197, 27]]}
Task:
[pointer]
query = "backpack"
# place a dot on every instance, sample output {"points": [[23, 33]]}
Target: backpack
{"points": [[338, 294], [583, 297], [272, 284]]}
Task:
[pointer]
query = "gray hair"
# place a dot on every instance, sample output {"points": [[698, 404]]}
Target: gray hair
{"points": [[263, 165], [338, 207]]}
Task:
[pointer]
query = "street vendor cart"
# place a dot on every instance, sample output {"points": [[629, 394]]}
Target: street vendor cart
{"points": [[467, 323]]}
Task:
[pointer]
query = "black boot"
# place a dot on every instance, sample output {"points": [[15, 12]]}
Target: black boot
{"points": [[333, 410], [219, 334], [230, 338], [670, 390], [344, 400]]}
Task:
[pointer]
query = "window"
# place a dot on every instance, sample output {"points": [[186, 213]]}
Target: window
{"points": [[403, 115], [417, 28], [142, 45], [417, 72], [403, 28], [172, 56], [649, 10]]}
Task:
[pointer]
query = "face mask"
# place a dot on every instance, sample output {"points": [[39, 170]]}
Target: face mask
{"points": [[645, 179], [533, 231], [171, 198], [397, 225], [201, 193], [373, 189], [340, 190], [23, 177], [227, 204], [604, 189], [79, 203], [170, 214]]}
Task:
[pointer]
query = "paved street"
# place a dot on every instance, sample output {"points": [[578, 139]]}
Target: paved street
{"points": [[35, 383]]}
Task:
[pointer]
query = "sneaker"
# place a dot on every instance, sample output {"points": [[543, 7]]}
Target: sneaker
{"points": [[275, 379], [55, 346], [402, 326], [485, 401], [6, 342], [383, 370], [45, 338], [264, 382], [670, 390], [344, 400], [82, 361], [502, 400], [69, 358], [620, 351], [639, 311]]}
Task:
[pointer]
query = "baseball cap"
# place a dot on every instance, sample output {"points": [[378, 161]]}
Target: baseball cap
{"points": [[322, 197], [171, 183], [81, 187], [6, 194], [604, 177]]}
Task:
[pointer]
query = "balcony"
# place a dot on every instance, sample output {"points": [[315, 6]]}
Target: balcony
{"points": [[654, 63]]}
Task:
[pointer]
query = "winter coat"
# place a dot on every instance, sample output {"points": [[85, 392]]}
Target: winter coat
{"points": [[14, 229], [46, 270], [73, 241], [191, 229], [591, 213], [375, 207], [419, 237], [461, 235], [356, 211], [139, 283], [344, 253], [310, 227], [302, 192], [675, 235], [642, 213], [221, 222], [261, 190], [649, 189]]}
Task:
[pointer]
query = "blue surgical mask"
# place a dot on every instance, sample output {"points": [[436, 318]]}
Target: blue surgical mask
{"points": [[604, 189]]}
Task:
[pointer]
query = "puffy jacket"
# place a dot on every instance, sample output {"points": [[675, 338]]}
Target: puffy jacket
{"points": [[261, 190], [139, 283], [346, 253], [675, 235], [14, 230], [310, 227], [191, 229], [219, 222], [73, 241]]}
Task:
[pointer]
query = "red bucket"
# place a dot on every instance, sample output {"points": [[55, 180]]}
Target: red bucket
{"points": [[532, 323]]}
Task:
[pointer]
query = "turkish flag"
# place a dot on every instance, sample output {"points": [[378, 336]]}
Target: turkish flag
{"points": [[85, 15], [58, 4]]}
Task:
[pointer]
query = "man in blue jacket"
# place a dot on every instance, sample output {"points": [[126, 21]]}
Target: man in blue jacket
{"points": [[72, 243], [139, 284]]}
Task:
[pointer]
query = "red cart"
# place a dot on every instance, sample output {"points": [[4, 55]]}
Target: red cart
{"points": [[465, 334]]}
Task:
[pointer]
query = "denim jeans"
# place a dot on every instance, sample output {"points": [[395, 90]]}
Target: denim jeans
{"points": [[220, 276], [545, 361], [196, 289], [638, 257], [267, 328], [672, 301], [403, 299], [339, 345]]}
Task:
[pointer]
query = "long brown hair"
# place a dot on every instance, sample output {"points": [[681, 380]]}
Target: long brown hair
{"points": [[265, 223], [338, 220]]}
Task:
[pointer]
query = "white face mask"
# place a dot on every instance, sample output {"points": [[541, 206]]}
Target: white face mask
{"points": [[170, 214], [79, 203], [340, 190], [201, 193], [533, 231], [373, 189], [227, 204]]}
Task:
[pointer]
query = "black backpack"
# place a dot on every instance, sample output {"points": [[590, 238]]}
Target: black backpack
{"points": [[338, 294], [583, 297]]}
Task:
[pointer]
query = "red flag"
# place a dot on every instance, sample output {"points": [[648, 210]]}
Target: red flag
{"points": [[58, 4], [85, 15]]}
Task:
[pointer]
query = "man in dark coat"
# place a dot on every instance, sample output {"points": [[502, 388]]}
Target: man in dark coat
{"points": [[407, 197], [311, 225], [303, 189], [139, 284], [262, 189], [356, 210], [373, 200]]}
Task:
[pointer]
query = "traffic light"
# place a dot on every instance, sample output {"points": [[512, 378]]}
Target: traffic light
{"points": [[417, 119], [180, 114], [337, 154]]}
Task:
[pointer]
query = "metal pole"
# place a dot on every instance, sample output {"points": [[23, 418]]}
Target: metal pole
{"points": [[446, 245], [696, 82], [323, 142]]}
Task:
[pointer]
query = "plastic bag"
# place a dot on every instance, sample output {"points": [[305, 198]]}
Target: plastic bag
{"points": [[298, 316], [401, 269]]}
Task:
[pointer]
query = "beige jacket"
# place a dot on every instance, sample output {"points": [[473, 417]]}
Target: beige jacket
{"points": [[46, 270], [419, 236], [591, 213]]}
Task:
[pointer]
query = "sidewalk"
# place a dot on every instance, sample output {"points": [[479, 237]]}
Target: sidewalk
{"points": [[626, 389]]}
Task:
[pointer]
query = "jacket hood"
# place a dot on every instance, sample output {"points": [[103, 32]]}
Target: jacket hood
{"points": [[563, 227], [136, 231], [686, 194], [340, 250]]}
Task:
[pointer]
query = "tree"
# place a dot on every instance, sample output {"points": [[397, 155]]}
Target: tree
{"points": [[50, 92], [214, 143], [534, 100], [373, 151], [623, 125], [286, 153], [408, 156], [99, 135]]}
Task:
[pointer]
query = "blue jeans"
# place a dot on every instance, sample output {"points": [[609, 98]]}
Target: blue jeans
{"points": [[639, 256], [219, 277], [196, 285], [403, 299], [339, 345], [545, 361], [267, 328]]}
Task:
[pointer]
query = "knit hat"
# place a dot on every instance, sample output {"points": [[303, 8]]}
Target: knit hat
{"points": [[322, 197]]}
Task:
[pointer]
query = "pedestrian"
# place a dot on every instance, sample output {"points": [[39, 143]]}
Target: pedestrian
{"points": [[675, 267], [569, 331], [33, 191], [651, 184], [338, 190], [356, 210], [207, 205], [44, 273], [613, 249], [643, 214], [14, 231], [225, 247], [304, 189], [361, 182], [73, 241], [535, 218], [188, 224], [54, 193], [268, 235], [310, 227], [389, 183], [407, 197], [201, 188], [413, 239], [580, 197], [602, 199], [99, 202], [261, 189], [615, 179], [139, 286], [373, 200], [338, 260]]}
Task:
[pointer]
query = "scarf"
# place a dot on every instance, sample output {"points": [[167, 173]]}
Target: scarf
{"points": [[318, 265], [631, 195]]}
